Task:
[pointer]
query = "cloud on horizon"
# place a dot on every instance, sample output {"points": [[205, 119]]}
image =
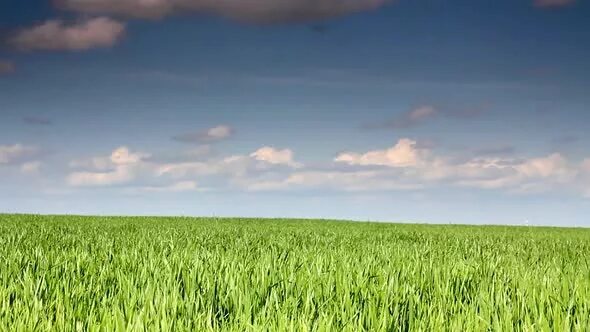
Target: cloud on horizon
{"points": [[121, 167], [512, 174], [407, 165], [137, 169]]}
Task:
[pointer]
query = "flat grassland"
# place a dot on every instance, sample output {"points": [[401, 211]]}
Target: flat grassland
{"points": [[197, 274]]}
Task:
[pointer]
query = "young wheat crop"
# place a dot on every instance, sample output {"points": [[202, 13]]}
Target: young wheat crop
{"points": [[187, 274]]}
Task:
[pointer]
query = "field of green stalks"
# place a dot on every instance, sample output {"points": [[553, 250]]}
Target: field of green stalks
{"points": [[188, 274]]}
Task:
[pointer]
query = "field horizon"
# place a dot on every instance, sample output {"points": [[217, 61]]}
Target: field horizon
{"points": [[308, 219]]}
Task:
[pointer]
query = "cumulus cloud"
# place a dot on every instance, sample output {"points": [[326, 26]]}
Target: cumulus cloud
{"points": [[422, 166], [263, 159], [404, 154], [121, 167], [56, 35], [406, 165], [124, 167], [122, 156], [538, 174], [553, 3], [210, 135], [6, 67], [276, 156], [252, 11], [17, 154]]}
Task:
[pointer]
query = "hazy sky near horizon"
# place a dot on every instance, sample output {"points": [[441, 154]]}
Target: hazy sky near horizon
{"points": [[426, 110]]}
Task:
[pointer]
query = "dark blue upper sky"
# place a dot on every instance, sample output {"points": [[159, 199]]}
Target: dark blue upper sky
{"points": [[442, 111]]}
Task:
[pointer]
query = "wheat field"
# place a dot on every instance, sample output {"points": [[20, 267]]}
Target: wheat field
{"points": [[69, 273]]}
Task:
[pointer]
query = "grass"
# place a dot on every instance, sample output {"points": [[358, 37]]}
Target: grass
{"points": [[174, 274]]}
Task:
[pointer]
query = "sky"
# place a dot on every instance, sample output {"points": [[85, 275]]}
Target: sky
{"points": [[406, 111]]}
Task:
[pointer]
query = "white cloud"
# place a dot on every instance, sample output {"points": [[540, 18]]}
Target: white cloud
{"points": [[120, 175], [186, 169], [227, 166], [124, 167], [17, 153], [232, 166], [210, 135], [56, 35], [6, 67], [122, 156], [276, 157], [121, 167], [555, 166], [182, 186], [521, 176], [420, 167], [254, 11], [405, 166], [404, 154], [334, 180]]}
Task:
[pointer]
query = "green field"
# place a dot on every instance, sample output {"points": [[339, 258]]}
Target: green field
{"points": [[175, 274]]}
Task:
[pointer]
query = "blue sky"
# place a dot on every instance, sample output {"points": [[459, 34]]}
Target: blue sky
{"points": [[430, 111]]}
